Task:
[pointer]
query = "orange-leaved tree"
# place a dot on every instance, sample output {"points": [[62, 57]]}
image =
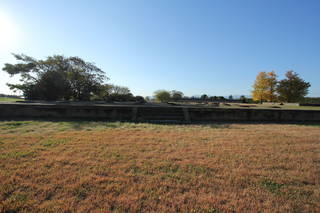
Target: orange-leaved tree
{"points": [[264, 88]]}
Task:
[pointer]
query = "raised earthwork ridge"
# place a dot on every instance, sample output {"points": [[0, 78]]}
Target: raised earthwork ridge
{"points": [[152, 113]]}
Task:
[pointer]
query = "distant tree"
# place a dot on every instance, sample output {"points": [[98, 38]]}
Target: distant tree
{"points": [[272, 86], [119, 93], [293, 88], [204, 97], [111, 92], [176, 95], [120, 90], [264, 87], [243, 99], [55, 78], [260, 87], [214, 98], [120, 97], [311, 100], [211, 98], [103, 92], [162, 95], [186, 97], [230, 97], [139, 99]]}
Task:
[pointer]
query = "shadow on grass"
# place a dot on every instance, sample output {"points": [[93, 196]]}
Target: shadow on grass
{"points": [[86, 124]]}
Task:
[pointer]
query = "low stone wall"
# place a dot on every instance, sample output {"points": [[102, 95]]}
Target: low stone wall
{"points": [[153, 113], [316, 105]]}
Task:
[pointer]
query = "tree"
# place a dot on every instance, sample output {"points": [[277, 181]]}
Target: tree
{"points": [[221, 98], [272, 87], [264, 87], [243, 99], [53, 85], [204, 97], [176, 95], [103, 92], [230, 97], [120, 90], [293, 88], [213, 98], [162, 95], [56, 78], [119, 93]]}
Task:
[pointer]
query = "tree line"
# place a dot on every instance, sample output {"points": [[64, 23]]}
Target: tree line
{"points": [[174, 95], [291, 89], [266, 88], [71, 78]]}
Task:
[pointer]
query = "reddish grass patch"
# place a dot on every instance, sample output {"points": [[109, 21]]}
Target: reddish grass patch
{"points": [[118, 167]]}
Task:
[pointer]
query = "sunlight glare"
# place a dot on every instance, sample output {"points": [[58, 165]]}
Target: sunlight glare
{"points": [[8, 33]]}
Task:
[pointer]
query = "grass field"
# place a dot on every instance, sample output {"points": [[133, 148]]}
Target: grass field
{"points": [[254, 106], [10, 99], [276, 106], [126, 167]]}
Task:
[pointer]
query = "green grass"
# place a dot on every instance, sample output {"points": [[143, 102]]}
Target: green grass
{"points": [[50, 142], [17, 154], [261, 106], [272, 186], [10, 99], [61, 126], [276, 106]]}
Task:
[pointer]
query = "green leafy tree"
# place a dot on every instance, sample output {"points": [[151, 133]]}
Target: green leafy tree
{"points": [[120, 93], [103, 92], [176, 95], [292, 88], [120, 90], [221, 98], [204, 97], [56, 78], [162, 95], [243, 99], [213, 98]]}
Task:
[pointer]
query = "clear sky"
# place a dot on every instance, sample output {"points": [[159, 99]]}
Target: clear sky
{"points": [[215, 47]]}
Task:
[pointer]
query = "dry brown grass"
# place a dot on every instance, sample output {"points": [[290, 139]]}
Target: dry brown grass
{"points": [[120, 167]]}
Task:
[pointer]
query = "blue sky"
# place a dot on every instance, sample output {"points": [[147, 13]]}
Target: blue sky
{"points": [[215, 47]]}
